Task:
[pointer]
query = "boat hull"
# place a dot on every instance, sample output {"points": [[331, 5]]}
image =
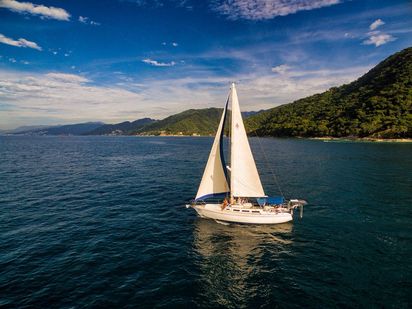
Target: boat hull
{"points": [[214, 211]]}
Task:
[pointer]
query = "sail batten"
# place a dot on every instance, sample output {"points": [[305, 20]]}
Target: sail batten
{"points": [[214, 182], [244, 178]]}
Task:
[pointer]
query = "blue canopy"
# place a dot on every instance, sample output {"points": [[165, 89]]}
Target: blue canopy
{"points": [[275, 200]]}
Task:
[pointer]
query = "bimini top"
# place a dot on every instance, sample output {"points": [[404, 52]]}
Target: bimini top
{"points": [[275, 200]]}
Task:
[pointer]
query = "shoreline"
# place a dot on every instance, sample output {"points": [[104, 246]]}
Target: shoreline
{"points": [[362, 139], [324, 138]]}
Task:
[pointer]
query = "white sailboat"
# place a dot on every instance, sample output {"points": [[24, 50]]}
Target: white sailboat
{"points": [[235, 193]]}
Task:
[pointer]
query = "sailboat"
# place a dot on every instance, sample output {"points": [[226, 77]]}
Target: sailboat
{"points": [[234, 193]]}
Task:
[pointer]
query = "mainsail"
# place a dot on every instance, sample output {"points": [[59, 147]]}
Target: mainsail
{"points": [[244, 178], [214, 181]]}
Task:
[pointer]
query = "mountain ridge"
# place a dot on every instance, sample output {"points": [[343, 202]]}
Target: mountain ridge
{"points": [[67, 129], [121, 128]]}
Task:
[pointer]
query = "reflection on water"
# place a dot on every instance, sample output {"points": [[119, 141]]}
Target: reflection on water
{"points": [[231, 258]]}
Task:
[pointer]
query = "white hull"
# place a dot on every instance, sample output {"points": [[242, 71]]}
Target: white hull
{"points": [[240, 215]]}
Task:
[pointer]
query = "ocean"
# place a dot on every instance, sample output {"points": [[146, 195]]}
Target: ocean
{"points": [[101, 222]]}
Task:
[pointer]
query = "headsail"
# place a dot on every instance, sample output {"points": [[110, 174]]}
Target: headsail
{"points": [[244, 180], [214, 181]]}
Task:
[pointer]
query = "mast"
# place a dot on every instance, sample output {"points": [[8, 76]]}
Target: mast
{"points": [[232, 86], [232, 90], [244, 177]]}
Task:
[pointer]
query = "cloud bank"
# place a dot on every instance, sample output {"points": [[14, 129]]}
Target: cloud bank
{"points": [[56, 97], [61, 98]]}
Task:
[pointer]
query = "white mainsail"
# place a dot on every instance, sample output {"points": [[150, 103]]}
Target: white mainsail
{"points": [[244, 177], [214, 180]]}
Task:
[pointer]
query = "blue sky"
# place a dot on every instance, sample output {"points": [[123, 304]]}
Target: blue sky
{"points": [[76, 61]]}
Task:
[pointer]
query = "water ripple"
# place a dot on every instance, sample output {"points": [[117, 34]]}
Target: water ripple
{"points": [[101, 222]]}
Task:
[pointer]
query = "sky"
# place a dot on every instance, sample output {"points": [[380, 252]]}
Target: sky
{"points": [[116, 60]]}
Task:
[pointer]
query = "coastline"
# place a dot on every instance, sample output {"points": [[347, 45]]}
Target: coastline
{"points": [[362, 139], [323, 139]]}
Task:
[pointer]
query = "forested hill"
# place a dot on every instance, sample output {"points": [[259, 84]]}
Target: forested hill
{"points": [[379, 104], [121, 128], [192, 121]]}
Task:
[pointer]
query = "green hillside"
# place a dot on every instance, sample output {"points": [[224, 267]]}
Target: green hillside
{"points": [[121, 128], [192, 121], [379, 104]]}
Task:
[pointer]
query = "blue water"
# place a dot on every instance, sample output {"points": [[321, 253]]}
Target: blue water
{"points": [[101, 222]]}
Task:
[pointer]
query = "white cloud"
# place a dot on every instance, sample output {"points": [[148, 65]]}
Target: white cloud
{"points": [[266, 9], [35, 9], [256, 90], [376, 24], [174, 44], [87, 21], [19, 43], [281, 69], [379, 39], [158, 64], [83, 19], [376, 37], [69, 78], [266, 91]]}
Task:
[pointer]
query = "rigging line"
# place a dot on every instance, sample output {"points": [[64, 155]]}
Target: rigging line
{"points": [[268, 165], [229, 146]]}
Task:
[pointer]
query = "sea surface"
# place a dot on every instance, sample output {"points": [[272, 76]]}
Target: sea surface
{"points": [[101, 222]]}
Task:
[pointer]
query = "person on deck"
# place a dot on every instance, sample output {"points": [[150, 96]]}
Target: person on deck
{"points": [[225, 203]]}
